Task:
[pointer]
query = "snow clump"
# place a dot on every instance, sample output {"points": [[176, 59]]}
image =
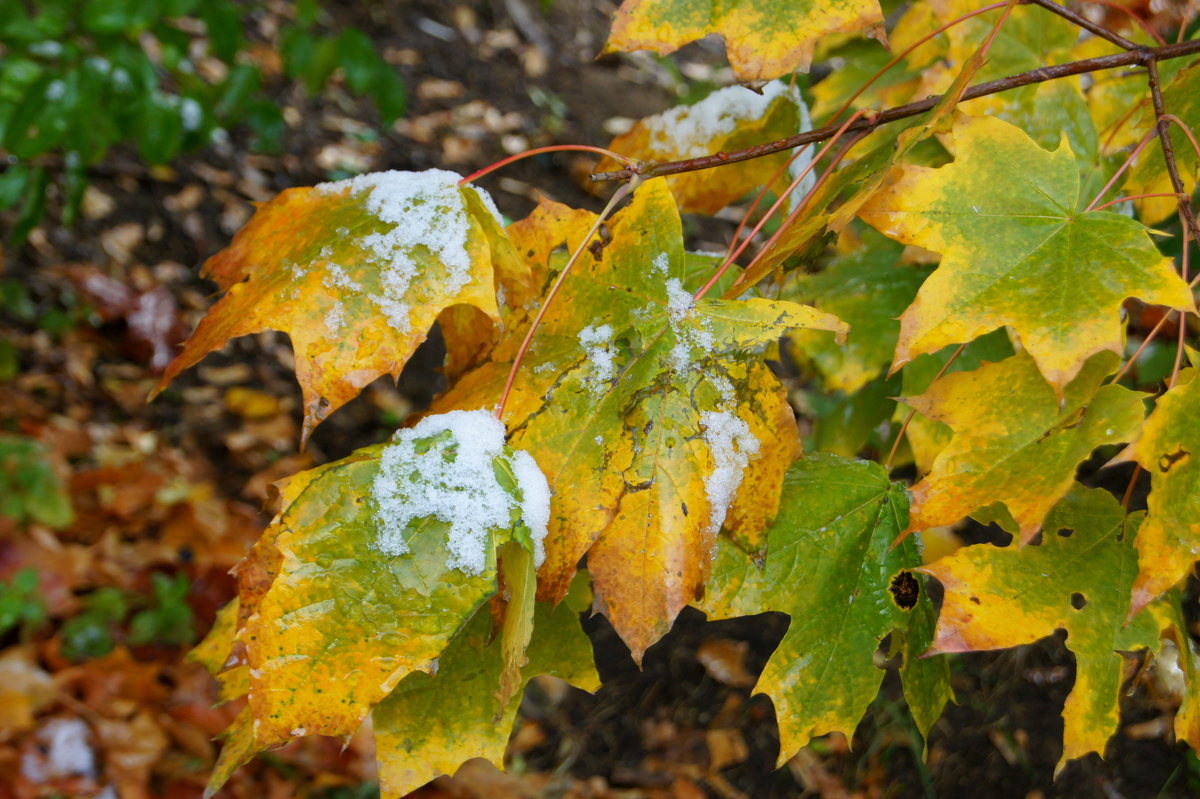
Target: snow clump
{"points": [[597, 344], [731, 443], [688, 336], [688, 130], [425, 209], [454, 481]]}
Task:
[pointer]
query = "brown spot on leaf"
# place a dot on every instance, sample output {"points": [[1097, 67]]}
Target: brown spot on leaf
{"points": [[905, 590]]}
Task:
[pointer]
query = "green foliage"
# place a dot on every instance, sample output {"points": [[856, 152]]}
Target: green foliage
{"points": [[21, 605], [30, 491], [164, 617], [80, 76]]}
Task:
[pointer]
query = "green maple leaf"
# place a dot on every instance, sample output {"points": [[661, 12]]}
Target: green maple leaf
{"points": [[764, 39], [431, 724], [641, 407], [1017, 251], [1021, 451], [1001, 597], [831, 566], [1169, 449]]}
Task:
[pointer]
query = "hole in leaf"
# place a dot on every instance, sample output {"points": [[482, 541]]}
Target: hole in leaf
{"points": [[905, 590], [1065, 532], [1078, 601]]}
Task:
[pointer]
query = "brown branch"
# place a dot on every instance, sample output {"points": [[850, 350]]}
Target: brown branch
{"points": [[1139, 57], [1164, 138], [1085, 23]]}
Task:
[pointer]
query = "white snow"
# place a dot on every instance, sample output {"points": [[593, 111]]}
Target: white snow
{"points": [[731, 443], [688, 334], [535, 500], [597, 345], [68, 753], [801, 162], [454, 481], [688, 131], [335, 318], [55, 90], [662, 263], [426, 211]]}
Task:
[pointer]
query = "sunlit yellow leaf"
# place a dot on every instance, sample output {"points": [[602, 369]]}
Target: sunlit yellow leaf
{"points": [[1013, 442], [764, 39]]}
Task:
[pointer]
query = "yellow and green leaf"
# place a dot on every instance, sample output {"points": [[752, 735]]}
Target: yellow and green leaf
{"points": [[1005, 216], [646, 417], [1169, 449], [1078, 580], [764, 39], [355, 273], [1013, 441]]}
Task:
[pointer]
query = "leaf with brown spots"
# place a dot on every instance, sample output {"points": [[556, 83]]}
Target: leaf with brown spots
{"points": [[1077, 579]]}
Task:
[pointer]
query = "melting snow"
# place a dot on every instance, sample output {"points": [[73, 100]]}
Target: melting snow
{"points": [[731, 443], [689, 130], [662, 263], [454, 481], [597, 344], [426, 210]]}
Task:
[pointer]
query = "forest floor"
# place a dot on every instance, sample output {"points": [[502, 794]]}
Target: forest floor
{"points": [[181, 486]]}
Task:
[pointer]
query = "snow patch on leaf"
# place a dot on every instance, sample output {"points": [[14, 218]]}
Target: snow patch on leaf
{"points": [[427, 474], [597, 345], [731, 443], [426, 210], [688, 335], [690, 129]]}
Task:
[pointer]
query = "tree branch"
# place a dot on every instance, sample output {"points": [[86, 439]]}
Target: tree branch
{"points": [[1139, 57], [1164, 138], [1085, 23]]}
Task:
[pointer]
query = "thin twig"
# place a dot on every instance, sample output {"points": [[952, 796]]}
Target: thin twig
{"points": [[552, 148], [1164, 138], [1083, 22], [1138, 57], [908, 419], [1143, 24], [618, 195], [1150, 134]]}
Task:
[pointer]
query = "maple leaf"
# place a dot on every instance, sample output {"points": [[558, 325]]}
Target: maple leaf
{"points": [[430, 724], [764, 39], [355, 273], [650, 423], [728, 119], [1078, 580], [1169, 540], [370, 569], [1020, 450], [832, 568], [1004, 217]]}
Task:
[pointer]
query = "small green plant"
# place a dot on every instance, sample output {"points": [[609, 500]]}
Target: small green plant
{"points": [[30, 491], [163, 618], [21, 605], [78, 77]]}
